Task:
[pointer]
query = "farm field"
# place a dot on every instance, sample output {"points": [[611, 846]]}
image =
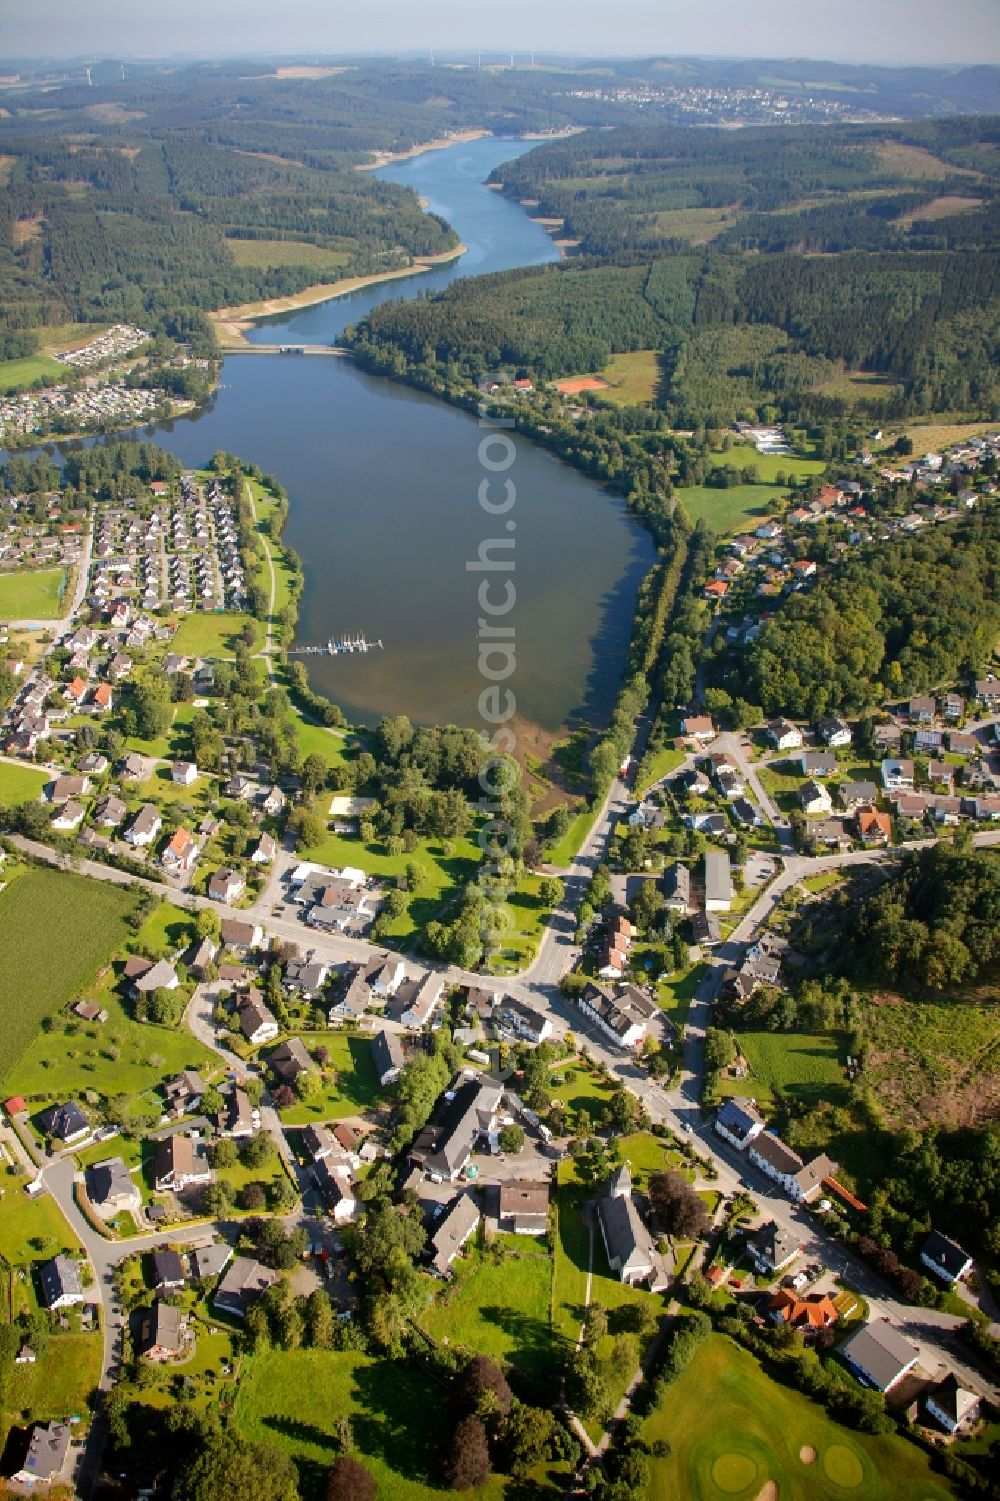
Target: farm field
{"points": [[17, 375], [294, 1398], [20, 784], [754, 1431], [83, 923], [349, 1085], [736, 509], [32, 596], [498, 1308], [286, 253], [632, 378]]}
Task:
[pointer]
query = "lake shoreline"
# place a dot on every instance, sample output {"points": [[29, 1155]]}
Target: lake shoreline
{"points": [[231, 323]]}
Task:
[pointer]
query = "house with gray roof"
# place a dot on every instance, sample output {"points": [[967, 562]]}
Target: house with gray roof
{"points": [[111, 1188], [879, 1355], [459, 1221], [60, 1282], [388, 1057], [463, 1115], [40, 1462], [244, 1282]]}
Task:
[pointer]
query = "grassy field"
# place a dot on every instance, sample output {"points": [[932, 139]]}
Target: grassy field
{"points": [[736, 509], [293, 1400], [676, 994], [264, 253], [349, 1084], [931, 437], [16, 375], [699, 225], [660, 764], [61, 1383], [804, 1065], [768, 465], [932, 1060], [211, 635], [753, 1431], [30, 1228], [498, 1308], [528, 914], [317, 739], [20, 784], [632, 378], [32, 596], [565, 850], [58, 929]]}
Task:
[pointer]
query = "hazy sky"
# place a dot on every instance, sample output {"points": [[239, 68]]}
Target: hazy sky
{"points": [[927, 31]]}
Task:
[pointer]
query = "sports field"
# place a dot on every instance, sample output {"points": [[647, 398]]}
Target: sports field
{"points": [[32, 596], [735, 1435]]}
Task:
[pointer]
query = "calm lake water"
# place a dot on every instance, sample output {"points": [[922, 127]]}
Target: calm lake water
{"points": [[383, 486]]}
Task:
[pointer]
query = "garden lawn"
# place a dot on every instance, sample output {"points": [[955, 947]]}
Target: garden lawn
{"points": [[332, 745], [806, 1066], [20, 784], [676, 993], [399, 1424], [349, 1085], [498, 1308], [735, 509], [58, 929], [24, 1220], [579, 1088], [32, 596], [564, 852], [528, 914], [731, 1430]]}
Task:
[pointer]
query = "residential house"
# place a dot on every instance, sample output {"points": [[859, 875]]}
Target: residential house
{"points": [[962, 744], [418, 1000], [818, 763], [812, 1176], [952, 1405], [772, 1248], [922, 709], [623, 1014], [524, 1207], [158, 976], [273, 802], [180, 853], [40, 1459], [237, 1118], [953, 707], [306, 977], [68, 817], [897, 776], [718, 881], [855, 795], [65, 1124], [988, 693], [67, 788], [226, 885], [240, 935], [183, 1092], [928, 742], [739, 1122], [463, 1115], [888, 736], [778, 1161], [945, 1257], [458, 1222], [834, 733], [168, 1271], [334, 1184], [257, 1022], [784, 735], [244, 1282], [144, 827], [527, 1024], [941, 774], [677, 888], [815, 799], [184, 772], [163, 1333], [59, 1280], [289, 1059], [705, 929], [201, 957], [879, 1355], [698, 727], [102, 699], [320, 1142], [181, 1163], [874, 826], [208, 1261], [131, 767], [109, 812], [265, 850], [811, 1313], [388, 1057], [111, 1189]]}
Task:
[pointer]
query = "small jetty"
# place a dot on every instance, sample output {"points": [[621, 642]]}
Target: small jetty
{"points": [[343, 646]]}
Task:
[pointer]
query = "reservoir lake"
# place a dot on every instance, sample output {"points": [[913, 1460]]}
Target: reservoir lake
{"points": [[383, 488]]}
